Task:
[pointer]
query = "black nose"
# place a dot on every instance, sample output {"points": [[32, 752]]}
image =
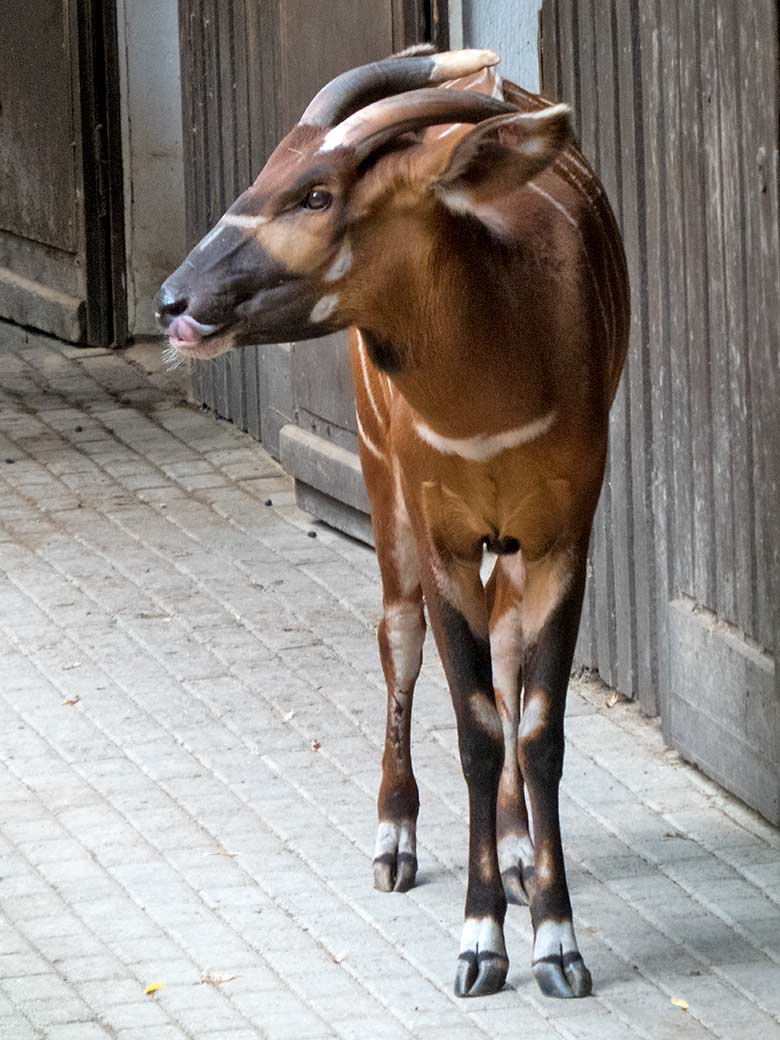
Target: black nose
{"points": [[169, 305]]}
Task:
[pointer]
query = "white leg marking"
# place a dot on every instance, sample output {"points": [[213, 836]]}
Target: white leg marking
{"points": [[543, 594], [534, 716], [323, 308], [543, 865], [445, 584], [482, 934], [506, 652], [485, 714], [405, 547], [484, 447], [514, 568], [405, 636], [554, 939], [392, 838]]}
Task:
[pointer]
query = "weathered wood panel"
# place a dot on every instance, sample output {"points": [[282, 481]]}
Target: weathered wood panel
{"points": [[228, 56], [665, 101], [248, 70], [37, 129], [61, 221]]}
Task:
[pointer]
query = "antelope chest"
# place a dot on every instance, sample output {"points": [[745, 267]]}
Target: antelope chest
{"points": [[520, 498]]}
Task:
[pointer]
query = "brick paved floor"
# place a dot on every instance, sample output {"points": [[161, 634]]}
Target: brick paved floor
{"points": [[192, 713]]}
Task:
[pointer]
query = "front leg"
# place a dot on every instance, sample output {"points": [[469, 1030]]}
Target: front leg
{"points": [[401, 636], [458, 614]]}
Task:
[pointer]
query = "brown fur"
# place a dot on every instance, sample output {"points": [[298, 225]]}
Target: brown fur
{"points": [[488, 279]]}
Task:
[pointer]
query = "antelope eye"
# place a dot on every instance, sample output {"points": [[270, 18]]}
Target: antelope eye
{"points": [[317, 198]]}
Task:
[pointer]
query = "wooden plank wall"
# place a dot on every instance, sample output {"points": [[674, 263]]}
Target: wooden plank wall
{"points": [[249, 67], [677, 106], [230, 71]]}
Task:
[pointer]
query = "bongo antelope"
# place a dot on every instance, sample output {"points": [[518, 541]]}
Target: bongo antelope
{"points": [[467, 243]]}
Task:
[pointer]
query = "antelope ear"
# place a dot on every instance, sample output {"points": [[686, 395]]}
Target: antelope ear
{"points": [[500, 155]]}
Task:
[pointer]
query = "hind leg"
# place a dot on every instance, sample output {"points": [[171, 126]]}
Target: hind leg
{"points": [[515, 851], [552, 601]]}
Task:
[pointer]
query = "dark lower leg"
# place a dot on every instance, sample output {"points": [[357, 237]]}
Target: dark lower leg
{"points": [[558, 966]]}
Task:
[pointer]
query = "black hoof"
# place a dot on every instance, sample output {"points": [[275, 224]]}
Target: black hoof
{"points": [[480, 974], [563, 977], [395, 872]]}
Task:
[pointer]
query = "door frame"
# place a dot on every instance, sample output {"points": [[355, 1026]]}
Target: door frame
{"points": [[97, 88]]}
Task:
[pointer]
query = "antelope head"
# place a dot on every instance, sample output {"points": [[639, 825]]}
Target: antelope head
{"points": [[291, 258]]}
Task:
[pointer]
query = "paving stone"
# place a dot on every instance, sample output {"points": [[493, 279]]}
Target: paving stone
{"points": [[173, 825]]}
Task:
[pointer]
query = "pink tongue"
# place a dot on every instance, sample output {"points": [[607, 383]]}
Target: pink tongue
{"points": [[184, 332]]}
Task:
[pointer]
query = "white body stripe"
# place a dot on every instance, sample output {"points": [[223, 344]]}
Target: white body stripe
{"points": [[484, 447], [341, 264], [366, 382], [449, 130], [562, 209], [368, 442]]}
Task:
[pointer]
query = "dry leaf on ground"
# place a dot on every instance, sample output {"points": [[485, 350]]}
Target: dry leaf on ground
{"points": [[615, 698], [213, 978]]}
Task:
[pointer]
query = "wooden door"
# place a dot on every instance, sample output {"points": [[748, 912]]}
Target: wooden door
{"points": [[319, 445], [249, 69], [61, 230], [682, 602]]}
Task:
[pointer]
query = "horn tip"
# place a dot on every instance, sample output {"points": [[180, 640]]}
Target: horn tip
{"points": [[453, 64]]}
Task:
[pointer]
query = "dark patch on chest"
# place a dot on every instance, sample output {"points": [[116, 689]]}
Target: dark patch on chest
{"points": [[384, 354], [502, 546]]}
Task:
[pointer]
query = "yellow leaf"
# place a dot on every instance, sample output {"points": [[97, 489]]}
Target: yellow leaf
{"points": [[681, 1004], [153, 987]]}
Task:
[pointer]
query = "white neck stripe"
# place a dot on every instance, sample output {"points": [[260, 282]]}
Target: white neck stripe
{"points": [[482, 448]]}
